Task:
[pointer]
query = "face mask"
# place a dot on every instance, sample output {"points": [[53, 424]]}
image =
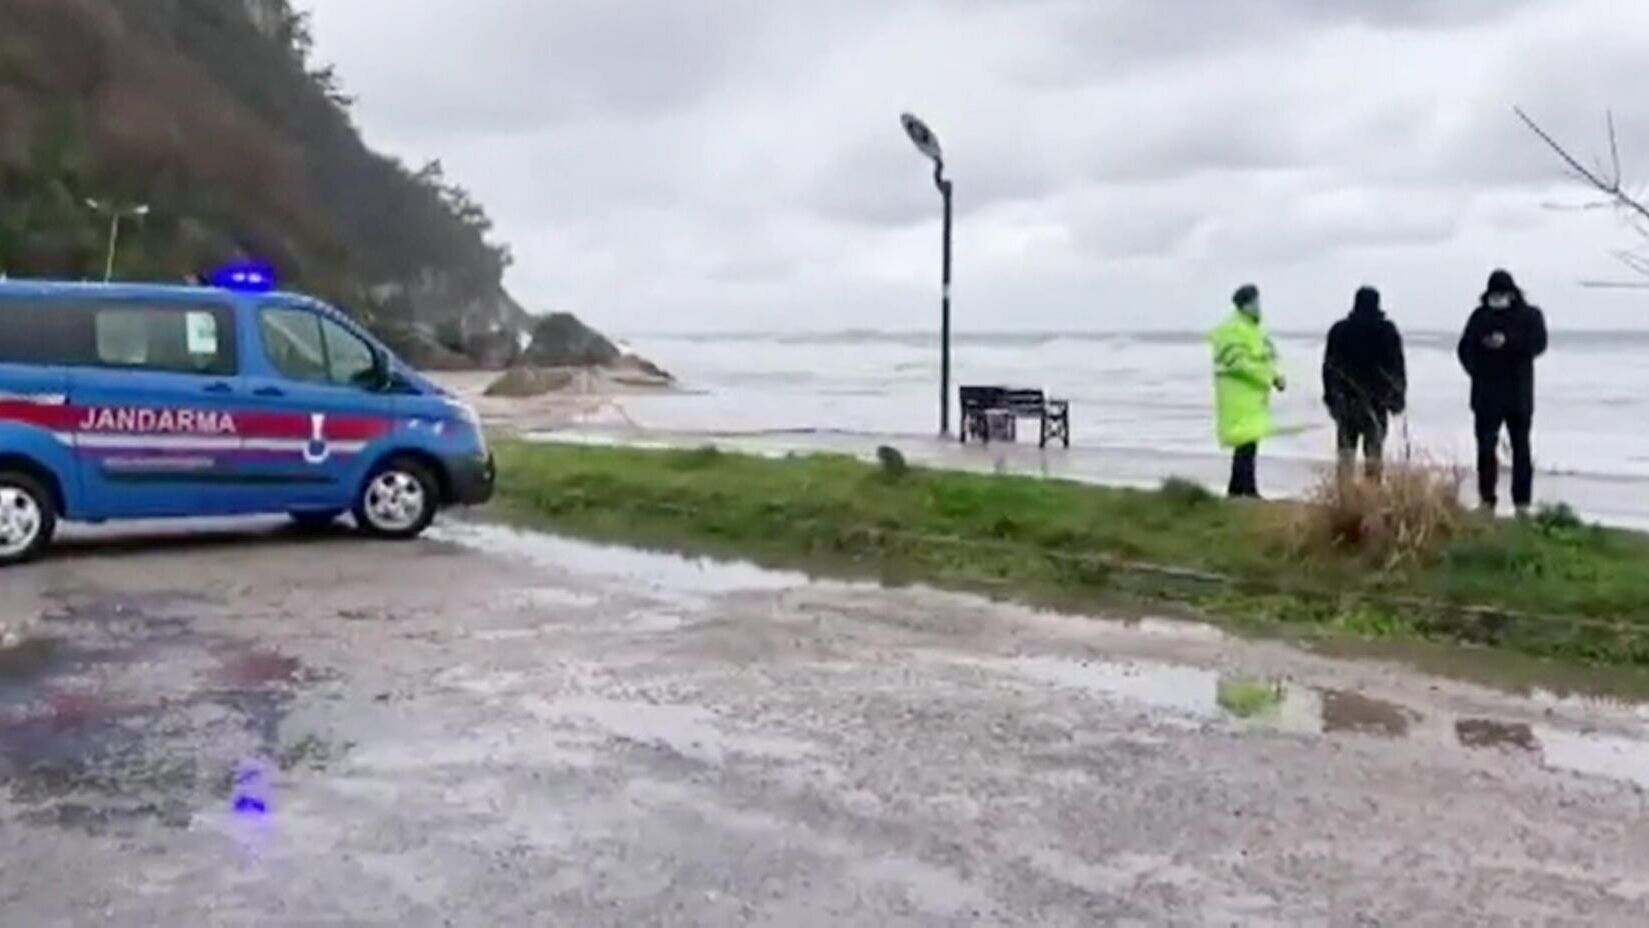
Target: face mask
{"points": [[1500, 301]]}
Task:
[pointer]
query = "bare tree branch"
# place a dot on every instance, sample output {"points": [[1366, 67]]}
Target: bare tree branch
{"points": [[1636, 262], [1612, 187], [1614, 148]]}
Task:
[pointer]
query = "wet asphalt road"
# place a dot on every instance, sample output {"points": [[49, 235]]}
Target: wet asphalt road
{"points": [[246, 727]]}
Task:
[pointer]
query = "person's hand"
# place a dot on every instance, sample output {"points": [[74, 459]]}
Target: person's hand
{"points": [[1495, 341]]}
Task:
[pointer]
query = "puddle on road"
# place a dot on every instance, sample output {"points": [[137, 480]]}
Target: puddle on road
{"points": [[1598, 755], [1591, 753], [670, 575], [1185, 691], [1260, 705], [1506, 671]]}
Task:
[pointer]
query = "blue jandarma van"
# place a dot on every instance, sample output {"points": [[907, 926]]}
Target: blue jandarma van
{"points": [[148, 402]]}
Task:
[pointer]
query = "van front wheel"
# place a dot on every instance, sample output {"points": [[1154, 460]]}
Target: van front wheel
{"points": [[398, 501], [28, 518]]}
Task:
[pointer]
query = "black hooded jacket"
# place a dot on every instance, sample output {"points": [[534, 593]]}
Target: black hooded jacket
{"points": [[1364, 372], [1503, 378]]}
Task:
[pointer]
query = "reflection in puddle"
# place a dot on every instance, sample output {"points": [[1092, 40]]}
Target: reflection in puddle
{"points": [[1353, 712], [1248, 699], [1204, 694], [1488, 733], [659, 573], [1185, 690], [1610, 756]]}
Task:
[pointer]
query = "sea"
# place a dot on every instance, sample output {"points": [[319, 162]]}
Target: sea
{"points": [[1141, 405]]}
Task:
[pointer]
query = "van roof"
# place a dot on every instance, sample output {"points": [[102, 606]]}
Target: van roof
{"points": [[173, 293]]}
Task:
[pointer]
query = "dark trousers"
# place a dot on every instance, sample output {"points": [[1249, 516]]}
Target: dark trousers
{"points": [[1244, 481], [1369, 431], [1517, 425]]}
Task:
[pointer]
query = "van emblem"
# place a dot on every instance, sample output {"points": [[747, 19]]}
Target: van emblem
{"points": [[317, 451]]}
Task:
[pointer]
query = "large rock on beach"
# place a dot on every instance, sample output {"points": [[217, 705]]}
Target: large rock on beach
{"points": [[561, 340]]}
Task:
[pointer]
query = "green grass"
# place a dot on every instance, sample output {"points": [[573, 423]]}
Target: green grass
{"points": [[1552, 586]]}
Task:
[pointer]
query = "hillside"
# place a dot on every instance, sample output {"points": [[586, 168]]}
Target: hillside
{"points": [[213, 113]]}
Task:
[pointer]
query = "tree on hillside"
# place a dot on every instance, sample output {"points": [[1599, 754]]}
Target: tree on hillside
{"points": [[1624, 197]]}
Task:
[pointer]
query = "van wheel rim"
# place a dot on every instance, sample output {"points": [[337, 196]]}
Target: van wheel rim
{"points": [[395, 501], [20, 521]]}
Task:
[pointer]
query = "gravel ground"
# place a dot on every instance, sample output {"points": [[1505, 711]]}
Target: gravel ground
{"points": [[236, 725]]}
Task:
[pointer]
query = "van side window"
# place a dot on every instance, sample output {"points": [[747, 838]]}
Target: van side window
{"points": [[44, 334], [292, 339], [174, 339], [351, 360], [308, 347]]}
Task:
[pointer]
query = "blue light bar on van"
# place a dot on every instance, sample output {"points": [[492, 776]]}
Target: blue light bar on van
{"points": [[245, 278]]}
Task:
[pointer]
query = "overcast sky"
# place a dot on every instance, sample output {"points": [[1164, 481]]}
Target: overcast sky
{"points": [[738, 164]]}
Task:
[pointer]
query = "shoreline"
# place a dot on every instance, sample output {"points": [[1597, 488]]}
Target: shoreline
{"points": [[604, 413]]}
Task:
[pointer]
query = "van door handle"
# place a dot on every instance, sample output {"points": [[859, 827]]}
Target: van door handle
{"points": [[269, 391], [219, 387]]}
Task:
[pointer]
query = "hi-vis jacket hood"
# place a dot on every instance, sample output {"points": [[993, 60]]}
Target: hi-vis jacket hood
{"points": [[1245, 373]]}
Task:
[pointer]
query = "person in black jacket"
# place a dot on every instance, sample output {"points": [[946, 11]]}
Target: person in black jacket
{"points": [[1498, 349], [1365, 381]]}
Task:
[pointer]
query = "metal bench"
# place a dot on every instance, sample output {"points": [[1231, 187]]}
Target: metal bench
{"points": [[992, 413]]}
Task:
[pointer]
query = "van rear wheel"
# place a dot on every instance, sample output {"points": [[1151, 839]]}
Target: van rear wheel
{"points": [[398, 501], [28, 518]]}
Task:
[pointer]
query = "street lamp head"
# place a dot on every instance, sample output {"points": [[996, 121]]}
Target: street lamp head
{"points": [[141, 210], [94, 204], [926, 142]]}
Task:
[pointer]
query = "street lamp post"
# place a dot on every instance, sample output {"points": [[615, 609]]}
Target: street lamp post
{"points": [[115, 214], [928, 144]]}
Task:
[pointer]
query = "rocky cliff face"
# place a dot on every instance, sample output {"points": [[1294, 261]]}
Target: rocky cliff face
{"points": [[213, 113]]}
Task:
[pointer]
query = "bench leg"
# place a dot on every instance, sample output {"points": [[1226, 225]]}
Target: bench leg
{"points": [[1056, 426]]}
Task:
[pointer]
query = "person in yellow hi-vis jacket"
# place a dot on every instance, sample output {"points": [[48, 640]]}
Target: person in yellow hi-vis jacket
{"points": [[1245, 374]]}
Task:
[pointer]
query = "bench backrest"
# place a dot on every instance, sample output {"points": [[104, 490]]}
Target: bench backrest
{"points": [[975, 398], [1024, 401], [1027, 402]]}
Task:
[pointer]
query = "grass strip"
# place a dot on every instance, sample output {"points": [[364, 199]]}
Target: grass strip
{"points": [[1548, 587]]}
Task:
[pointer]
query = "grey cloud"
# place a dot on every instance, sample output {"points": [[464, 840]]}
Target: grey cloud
{"points": [[690, 156], [1094, 38], [511, 65], [1306, 227]]}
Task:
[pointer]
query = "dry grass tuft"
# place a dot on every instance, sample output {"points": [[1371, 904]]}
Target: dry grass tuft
{"points": [[1407, 518]]}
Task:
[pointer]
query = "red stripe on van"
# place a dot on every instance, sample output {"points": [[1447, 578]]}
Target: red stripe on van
{"points": [[40, 415], [301, 427]]}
